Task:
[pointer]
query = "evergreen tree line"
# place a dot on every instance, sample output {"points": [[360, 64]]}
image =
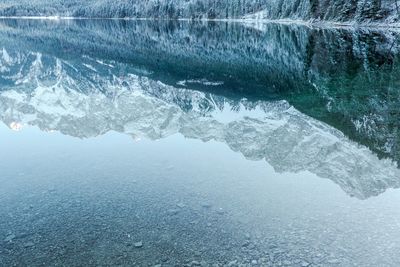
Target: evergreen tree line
{"points": [[193, 9], [340, 10]]}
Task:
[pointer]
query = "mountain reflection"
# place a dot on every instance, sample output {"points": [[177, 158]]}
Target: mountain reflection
{"points": [[323, 101]]}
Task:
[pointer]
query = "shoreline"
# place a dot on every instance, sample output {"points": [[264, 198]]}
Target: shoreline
{"points": [[312, 24]]}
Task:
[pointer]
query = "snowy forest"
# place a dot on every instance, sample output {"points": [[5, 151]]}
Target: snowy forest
{"points": [[324, 10]]}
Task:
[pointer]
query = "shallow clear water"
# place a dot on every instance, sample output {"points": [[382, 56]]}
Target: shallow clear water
{"points": [[176, 144]]}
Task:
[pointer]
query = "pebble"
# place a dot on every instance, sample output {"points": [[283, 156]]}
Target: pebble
{"points": [[232, 263], [220, 211], [180, 205], [254, 262], [195, 263], [9, 238], [173, 212], [304, 264], [138, 244], [206, 205], [29, 244], [246, 243]]}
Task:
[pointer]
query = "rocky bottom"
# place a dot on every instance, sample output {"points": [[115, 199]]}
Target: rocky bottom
{"points": [[52, 228]]}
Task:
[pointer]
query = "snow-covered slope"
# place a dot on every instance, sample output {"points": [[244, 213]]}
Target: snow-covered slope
{"points": [[83, 100]]}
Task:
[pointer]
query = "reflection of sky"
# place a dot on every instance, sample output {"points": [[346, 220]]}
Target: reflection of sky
{"points": [[31, 144]]}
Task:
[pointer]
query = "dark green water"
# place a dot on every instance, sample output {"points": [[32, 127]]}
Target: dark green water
{"points": [[140, 143]]}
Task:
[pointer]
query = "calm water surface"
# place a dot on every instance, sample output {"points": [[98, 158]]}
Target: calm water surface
{"points": [[138, 143]]}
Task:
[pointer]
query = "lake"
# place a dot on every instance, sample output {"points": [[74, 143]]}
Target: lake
{"points": [[175, 143]]}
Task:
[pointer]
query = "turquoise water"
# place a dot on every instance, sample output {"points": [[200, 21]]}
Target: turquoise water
{"points": [[176, 144]]}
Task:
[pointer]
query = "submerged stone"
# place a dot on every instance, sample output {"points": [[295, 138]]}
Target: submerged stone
{"points": [[9, 238], [138, 244], [180, 205], [29, 244]]}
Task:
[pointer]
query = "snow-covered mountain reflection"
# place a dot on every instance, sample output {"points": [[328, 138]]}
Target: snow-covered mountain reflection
{"points": [[91, 97]]}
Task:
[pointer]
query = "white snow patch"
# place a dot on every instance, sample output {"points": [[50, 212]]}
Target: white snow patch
{"points": [[89, 67], [105, 64], [6, 57], [200, 81]]}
